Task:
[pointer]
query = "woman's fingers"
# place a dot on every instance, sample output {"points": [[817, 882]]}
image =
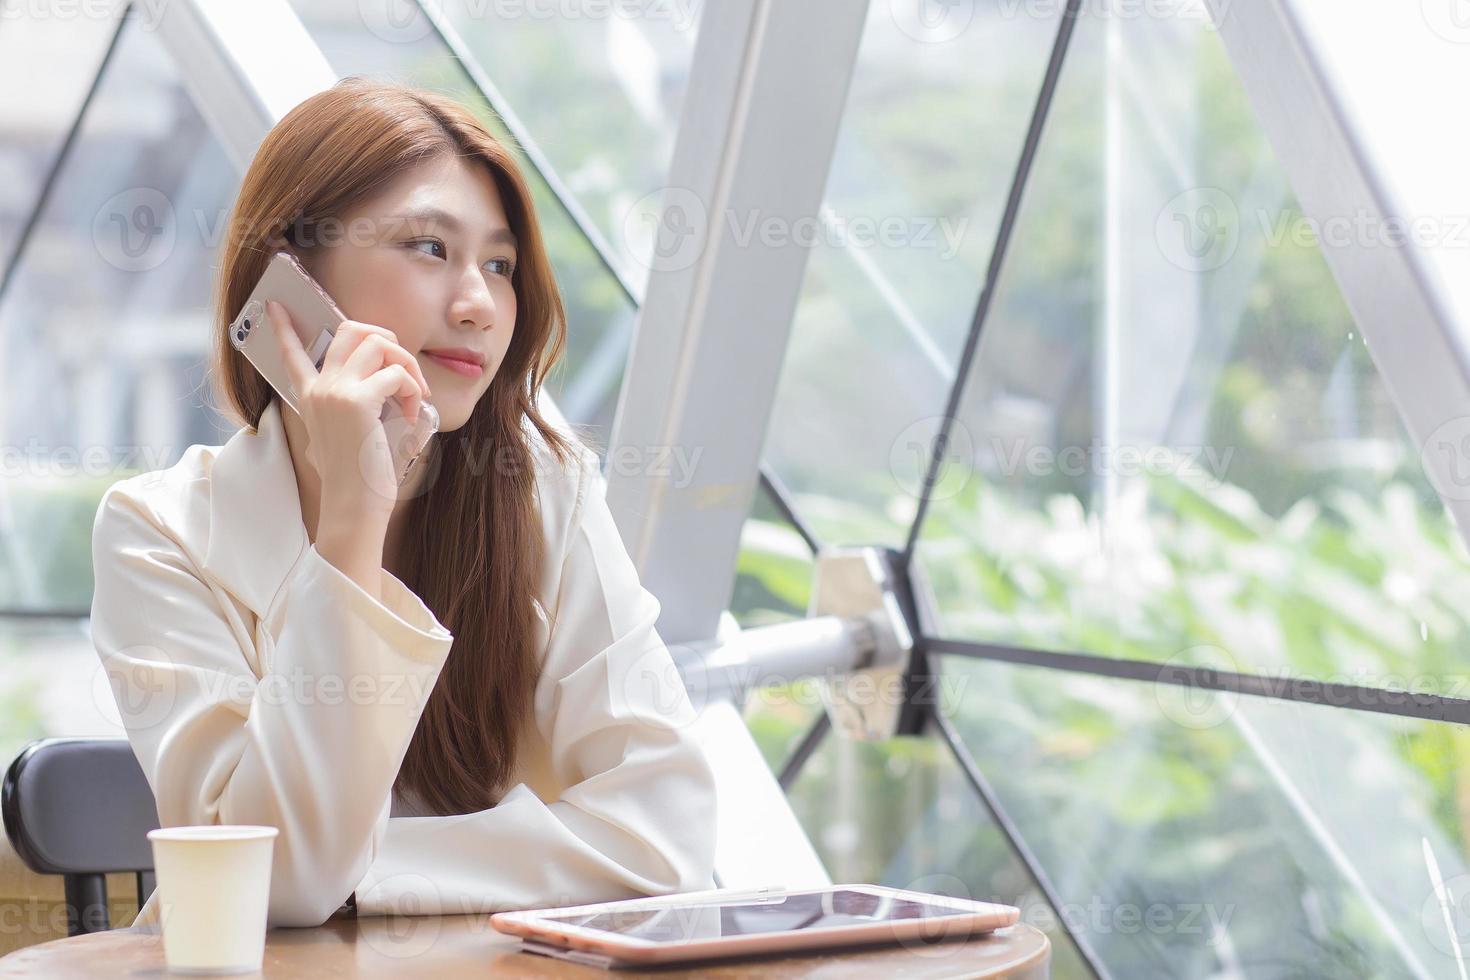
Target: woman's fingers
{"points": [[364, 365], [299, 367], [393, 381], [346, 337], [375, 352], [349, 340]]}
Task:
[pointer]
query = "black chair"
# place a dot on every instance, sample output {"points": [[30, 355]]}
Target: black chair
{"points": [[81, 808]]}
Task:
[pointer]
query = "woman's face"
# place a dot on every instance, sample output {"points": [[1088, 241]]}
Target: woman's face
{"points": [[430, 258]]}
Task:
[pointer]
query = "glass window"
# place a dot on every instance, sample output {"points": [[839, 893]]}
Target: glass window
{"points": [[52, 684], [774, 578], [599, 87], [900, 812], [1191, 834], [779, 717], [51, 53], [773, 584], [105, 322], [1174, 444], [929, 140]]}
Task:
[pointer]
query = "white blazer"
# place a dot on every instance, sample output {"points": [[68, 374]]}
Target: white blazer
{"points": [[260, 685]]}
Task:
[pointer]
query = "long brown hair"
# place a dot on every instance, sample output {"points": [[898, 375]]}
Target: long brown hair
{"points": [[476, 564]]}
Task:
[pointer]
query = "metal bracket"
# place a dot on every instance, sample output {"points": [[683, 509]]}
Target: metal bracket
{"points": [[864, 704]]}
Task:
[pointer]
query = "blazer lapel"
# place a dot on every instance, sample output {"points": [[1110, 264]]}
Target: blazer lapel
{"points": [[256, 534]]}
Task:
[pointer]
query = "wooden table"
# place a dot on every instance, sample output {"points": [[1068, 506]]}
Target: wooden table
{"points": [[467, 945]]}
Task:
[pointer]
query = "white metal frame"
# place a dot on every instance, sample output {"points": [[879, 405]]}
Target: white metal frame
{"points": [[1357, 145], [244, 65], [756, 136], [755, 141]]}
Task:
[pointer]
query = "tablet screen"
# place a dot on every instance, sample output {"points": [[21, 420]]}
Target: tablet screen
{"points": [[779, 913]]}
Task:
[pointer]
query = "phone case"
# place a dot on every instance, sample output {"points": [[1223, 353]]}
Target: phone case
{"points": [[316, 317]]}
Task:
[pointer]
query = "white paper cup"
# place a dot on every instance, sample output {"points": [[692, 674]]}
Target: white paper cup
{"points": [[214, 885]]}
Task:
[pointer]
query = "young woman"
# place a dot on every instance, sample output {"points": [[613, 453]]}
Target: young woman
{"points": [[449, 697]]}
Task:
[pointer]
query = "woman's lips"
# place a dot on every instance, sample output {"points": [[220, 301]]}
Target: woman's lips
{"points": [[467, 368]]}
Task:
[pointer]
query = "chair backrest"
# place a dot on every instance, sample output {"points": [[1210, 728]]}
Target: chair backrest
{"points": [[81, 808]]}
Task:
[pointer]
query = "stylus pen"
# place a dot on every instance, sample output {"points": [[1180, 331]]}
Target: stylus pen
{"points": [[681, 899], [722, 894]]}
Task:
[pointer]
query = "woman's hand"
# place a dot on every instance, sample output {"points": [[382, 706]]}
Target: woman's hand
{"points": [[342, 407]]}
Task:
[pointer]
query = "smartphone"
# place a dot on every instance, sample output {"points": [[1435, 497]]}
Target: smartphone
{"points": [[316, 319]]}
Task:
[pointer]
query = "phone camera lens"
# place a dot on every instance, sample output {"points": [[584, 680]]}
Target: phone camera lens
{"points": [[240, 335], [247, 323]]}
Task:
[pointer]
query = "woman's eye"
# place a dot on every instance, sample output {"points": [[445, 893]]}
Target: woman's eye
{"points": [[502, 266]]}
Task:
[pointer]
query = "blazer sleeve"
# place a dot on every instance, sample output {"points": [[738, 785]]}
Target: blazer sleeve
{"points": [[313, 749], [638, 816]]}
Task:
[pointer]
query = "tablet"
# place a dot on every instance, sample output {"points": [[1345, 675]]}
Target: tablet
{"points": [[739, 922]]}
